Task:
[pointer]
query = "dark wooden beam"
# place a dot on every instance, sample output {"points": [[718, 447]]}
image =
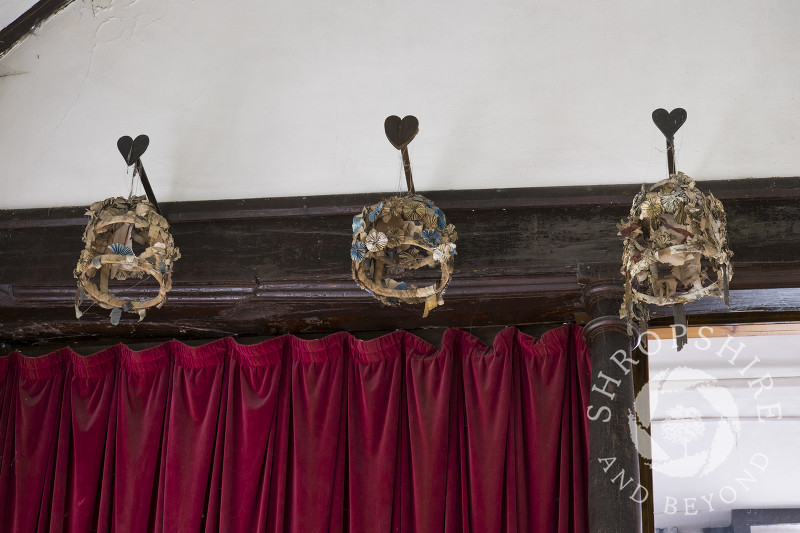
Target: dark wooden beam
{"points": [[38, 13], [616, 494], [268, 266]]}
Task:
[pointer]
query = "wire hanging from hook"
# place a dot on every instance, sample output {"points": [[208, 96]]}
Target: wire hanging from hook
{"points": [[132, 150], [400, 132], [669, 122]]}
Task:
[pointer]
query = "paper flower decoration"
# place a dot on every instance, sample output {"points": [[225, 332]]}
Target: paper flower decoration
{"points": [[675, 248], [358, 251], [114, 225], [402, 233], [376, 241], [120, 249]]}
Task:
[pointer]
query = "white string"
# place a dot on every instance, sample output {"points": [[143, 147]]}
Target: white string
{"points": [[125, 177], [410, 166], [400, 173], [137, 185], [133, 178]]}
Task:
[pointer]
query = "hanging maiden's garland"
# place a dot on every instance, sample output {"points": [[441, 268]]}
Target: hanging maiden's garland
{"points": [[115, 224], [402, 234], [675, 244]]}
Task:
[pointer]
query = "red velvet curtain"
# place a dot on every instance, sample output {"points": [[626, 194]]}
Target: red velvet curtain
{"points": [[297, 435]]}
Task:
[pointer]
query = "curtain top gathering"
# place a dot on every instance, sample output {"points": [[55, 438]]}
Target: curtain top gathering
{"points": [[332, 434]]}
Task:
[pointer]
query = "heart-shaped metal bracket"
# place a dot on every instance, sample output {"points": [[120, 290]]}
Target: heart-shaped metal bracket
{"points": [[399, 131], [132, 149], [669, 122]]}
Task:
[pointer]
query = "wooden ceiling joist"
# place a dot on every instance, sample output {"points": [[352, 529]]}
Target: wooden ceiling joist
{"points": [[25, 23]]}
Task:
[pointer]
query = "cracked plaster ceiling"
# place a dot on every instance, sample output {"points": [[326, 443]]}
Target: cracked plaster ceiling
{"points": [[265, 99]]}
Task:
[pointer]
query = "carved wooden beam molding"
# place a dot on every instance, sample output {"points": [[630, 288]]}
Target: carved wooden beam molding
{"points": [[269, 266]]}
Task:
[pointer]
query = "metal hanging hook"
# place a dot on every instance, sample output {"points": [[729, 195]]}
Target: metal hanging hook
{"points": [[669, 122], [132, 150], [400, 133]]}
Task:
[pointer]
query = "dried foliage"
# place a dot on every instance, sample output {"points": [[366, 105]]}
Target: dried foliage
{"points": [[676, 247]]}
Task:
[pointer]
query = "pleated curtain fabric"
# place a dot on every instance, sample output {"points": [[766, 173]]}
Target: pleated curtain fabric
{"points": [[292, 435]]}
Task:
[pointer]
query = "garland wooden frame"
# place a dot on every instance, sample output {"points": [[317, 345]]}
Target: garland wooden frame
{"points": [[119, 222]]}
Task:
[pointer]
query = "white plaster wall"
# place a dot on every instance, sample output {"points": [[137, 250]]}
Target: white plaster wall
{"points": [[255, 99]]}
